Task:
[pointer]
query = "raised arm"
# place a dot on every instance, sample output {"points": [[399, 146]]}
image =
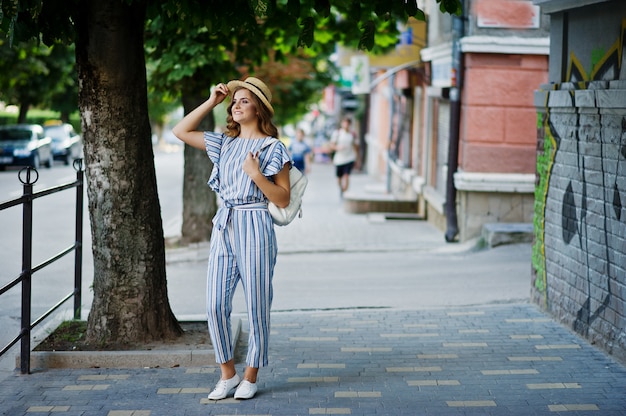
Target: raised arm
{"points": [[186, 131]]}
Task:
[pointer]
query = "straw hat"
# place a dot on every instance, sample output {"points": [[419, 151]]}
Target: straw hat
{"points": [[257, 87]]}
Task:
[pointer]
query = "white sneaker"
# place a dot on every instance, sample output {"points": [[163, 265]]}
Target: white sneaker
{"points": [[223, 387], [246, 390]]}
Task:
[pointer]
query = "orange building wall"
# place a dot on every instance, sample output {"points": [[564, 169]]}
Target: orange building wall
{"points": [[379, 126], [498, 117]]}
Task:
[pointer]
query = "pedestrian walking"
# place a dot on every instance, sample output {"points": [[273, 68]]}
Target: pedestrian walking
{"points": [[301, 152], [343, 142], [250, 168]]}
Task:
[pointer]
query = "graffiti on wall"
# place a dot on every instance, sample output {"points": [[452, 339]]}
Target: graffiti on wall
{"points": [[605, 65], [582, 191]]}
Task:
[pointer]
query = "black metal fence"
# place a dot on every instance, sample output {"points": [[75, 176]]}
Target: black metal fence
{"points": [[28, 176]]}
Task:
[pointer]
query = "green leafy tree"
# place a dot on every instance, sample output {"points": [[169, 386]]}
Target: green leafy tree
{"points": [[36, 75], [25, 71], [62, 92], [296, 83], [130, 298]]}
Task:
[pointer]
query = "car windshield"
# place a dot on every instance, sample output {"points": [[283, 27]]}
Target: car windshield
{"points": [[57, 133], [9, 135]]}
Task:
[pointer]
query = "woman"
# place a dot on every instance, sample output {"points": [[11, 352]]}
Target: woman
{"points": [[250, 168]]}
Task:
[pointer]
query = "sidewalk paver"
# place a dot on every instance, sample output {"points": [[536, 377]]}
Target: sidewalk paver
{"points": [[483, 360]]}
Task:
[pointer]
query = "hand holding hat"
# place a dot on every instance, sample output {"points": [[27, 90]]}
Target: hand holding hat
{"points": [[219, 93]]}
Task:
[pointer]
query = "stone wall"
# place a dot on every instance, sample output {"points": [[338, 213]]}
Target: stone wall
{"points": [[579, 254], [479, 208]]}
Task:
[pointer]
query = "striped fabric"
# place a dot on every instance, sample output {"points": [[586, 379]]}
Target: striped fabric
{"points": [[243, 244]]}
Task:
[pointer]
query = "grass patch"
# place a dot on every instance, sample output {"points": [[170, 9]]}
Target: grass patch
{"points": [[70, 336]]}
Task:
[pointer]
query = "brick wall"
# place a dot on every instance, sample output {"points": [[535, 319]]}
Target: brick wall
{"points": [[498, 112], [579, 255]]}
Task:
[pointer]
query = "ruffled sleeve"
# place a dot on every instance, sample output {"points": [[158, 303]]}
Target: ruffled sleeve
{"points": [[276, 159], [213, 143]]}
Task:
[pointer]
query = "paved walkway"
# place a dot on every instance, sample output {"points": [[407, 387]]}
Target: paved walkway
{"points": [[487, 360], [367, 345]]}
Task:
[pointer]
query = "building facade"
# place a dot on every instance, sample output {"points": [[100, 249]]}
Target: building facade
{"points": [[470, 94], [579, 254]]}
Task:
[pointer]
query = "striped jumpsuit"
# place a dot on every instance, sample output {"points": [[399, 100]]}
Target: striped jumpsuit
{"points": [[243, 243]]}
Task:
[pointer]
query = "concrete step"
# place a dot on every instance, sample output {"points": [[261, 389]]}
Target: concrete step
{"points": [[373, 198], [495, 234]]}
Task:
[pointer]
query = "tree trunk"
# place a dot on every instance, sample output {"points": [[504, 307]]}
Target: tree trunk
{"points": [[130, 302], [21, 115], [199, 201]]}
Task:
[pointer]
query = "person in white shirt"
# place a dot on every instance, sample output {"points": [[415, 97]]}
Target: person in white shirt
{"points": [[344, 143]]}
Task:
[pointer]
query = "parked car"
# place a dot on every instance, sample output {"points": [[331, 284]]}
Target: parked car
{"points": [[24, 145], [67, 145]]}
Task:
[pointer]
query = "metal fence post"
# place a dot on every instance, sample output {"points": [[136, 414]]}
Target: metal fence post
{"points": [[27, 258], [28, 176], [78, 258]]}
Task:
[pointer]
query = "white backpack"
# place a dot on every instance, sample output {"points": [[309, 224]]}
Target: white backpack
{"points": [[297, 184]]}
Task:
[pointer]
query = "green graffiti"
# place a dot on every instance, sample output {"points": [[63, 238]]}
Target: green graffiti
{"points": [[597, 57], [545, 161]]}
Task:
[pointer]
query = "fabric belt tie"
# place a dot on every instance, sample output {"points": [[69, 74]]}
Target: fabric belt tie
{"points": [[223, 214]]}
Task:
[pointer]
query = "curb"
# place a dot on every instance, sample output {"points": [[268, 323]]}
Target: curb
{"points": [[199, 252], [126, 359]]}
